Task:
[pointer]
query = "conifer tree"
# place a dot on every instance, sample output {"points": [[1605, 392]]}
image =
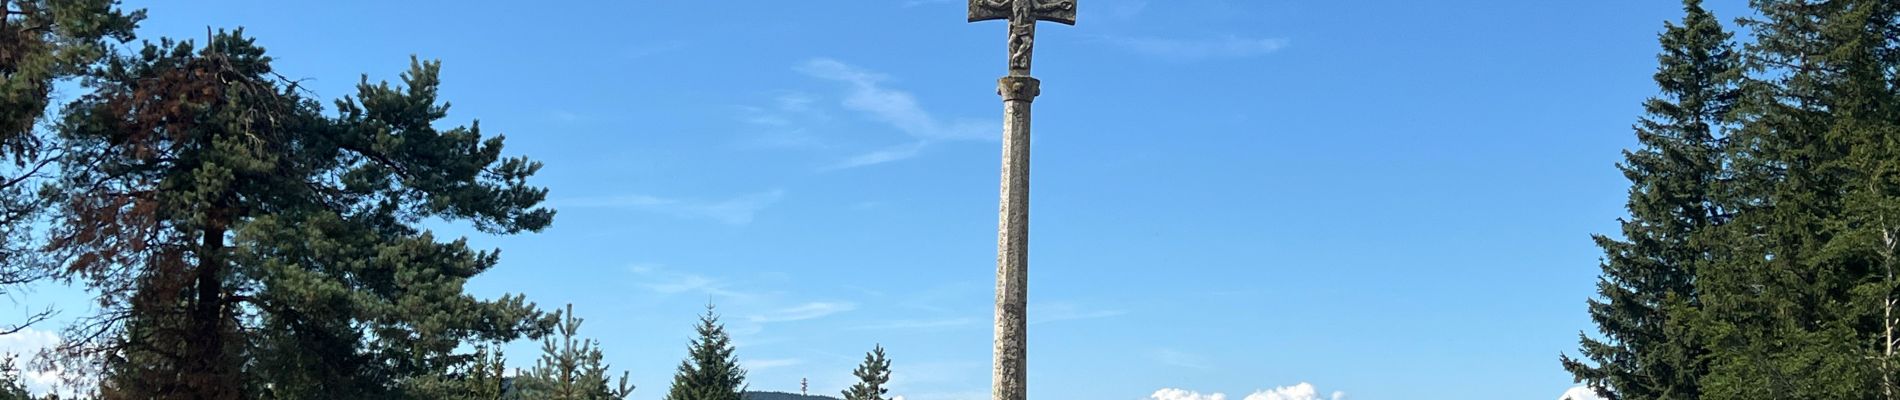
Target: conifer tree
{"points": [[872, 375], [570, 368], [711, 371], [1796, 311], [1647, 292], [42, 42], [241, 240], [12, 386]]}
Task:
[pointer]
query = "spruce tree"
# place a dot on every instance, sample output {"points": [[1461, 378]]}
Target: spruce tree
{"points": [[570, 368], [711, 370], [1647, 290], [1796, 311], [12, 386], [872, 375], [240, 240]]}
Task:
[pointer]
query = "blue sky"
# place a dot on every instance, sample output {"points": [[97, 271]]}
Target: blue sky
{"points": [[1389, 199]]}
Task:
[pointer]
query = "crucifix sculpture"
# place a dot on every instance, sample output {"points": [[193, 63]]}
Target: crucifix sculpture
{"points": [[1009, 376]]}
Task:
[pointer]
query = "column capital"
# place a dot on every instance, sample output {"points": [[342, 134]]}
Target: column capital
{"points": [[1014, 88]]}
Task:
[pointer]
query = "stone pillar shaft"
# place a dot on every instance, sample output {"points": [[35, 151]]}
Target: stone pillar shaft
{"points": [[1009, 379]]}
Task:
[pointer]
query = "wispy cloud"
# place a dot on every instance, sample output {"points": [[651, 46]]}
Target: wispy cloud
{"points": [[922, 324], [1301, 391], [866, 93], [1063, 311], [667, 282], [879, 156], [898, 108], [1230, 46], [812, 310], [785, 123], [765, 364], [734, 211]]}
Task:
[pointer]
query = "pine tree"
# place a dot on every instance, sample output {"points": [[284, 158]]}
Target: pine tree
{"points": [[711, 370], [42, 42], [872, 375], [570, 368], [241, 240], [1647, 291], [484, 377]]}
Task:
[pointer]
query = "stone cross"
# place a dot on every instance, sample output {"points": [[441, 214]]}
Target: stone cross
{"points": [[1009, 376]]}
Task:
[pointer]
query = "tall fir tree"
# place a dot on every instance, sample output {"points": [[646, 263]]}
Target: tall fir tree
{"points": [[711, 369], [570, 368], [1647, 291], [242, 242], [1795, 312], [872, 375]]}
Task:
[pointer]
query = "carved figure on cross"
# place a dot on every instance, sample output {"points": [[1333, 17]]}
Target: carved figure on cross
{"points": [[1022, 16]]}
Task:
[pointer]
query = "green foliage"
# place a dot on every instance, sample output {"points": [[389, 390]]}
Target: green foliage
{"points": [[1794, 311], [872, 375], [245, 244], [571, 368], [711, 370], [1788, 288], [1647, 292], [12, 386], [42, 42], [750, 395]]}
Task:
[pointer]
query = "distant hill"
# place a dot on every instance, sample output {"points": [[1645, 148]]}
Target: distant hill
{"points": [[782, 396]]}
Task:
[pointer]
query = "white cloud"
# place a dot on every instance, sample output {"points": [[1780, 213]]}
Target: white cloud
{"points": [[805, 311], [734, 211], [25, 346], [1181, 394], [1580, 393], [866, 93], [1301, 391], [1200, 49]]}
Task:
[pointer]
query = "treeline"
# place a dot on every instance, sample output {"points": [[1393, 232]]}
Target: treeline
{"points": [[244, 241], [1758, 257]]}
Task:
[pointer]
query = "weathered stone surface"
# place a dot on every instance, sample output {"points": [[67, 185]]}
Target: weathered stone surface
{"points": [[1009, 377], [1022, 16], [1059, 11]]}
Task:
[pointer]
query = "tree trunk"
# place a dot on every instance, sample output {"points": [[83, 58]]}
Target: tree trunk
{"points": [[1888, 340], [209, 375]]}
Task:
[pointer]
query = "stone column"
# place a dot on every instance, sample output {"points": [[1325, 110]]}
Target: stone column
{"points": [[1010, 374]]}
